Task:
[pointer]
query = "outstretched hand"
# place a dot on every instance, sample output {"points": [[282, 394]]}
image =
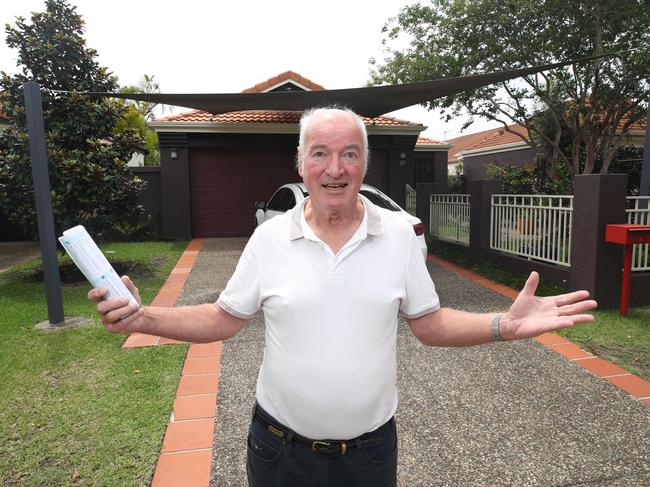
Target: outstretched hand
{"points": [[530, 315]]}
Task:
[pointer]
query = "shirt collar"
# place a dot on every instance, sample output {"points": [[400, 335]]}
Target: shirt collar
{"points": [[374, 219]]}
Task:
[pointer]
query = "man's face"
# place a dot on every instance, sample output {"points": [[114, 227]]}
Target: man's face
{"points": [[332, 161]]}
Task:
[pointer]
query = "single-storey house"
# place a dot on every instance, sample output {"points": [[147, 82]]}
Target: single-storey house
{"points": [[477, 150], [214, 167]]}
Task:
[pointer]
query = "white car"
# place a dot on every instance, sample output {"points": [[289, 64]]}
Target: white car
{"points": [[288, 195]]}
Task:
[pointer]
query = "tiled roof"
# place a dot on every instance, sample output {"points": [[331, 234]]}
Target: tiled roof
{"points": [[464, 142], [639, 125], [266, 116], [501, 136], [427, 141], [286, 76], [251, 116]]}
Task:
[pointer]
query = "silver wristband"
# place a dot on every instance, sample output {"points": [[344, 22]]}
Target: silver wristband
{"points": [[496, 333]]}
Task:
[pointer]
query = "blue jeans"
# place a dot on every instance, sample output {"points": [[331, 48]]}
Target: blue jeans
{"points": [[272, 461]]}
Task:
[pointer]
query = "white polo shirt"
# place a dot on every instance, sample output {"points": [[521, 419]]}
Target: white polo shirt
{"points": [[329, 367]]}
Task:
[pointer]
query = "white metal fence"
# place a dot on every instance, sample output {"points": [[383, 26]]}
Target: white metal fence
{"points": [[533, 226], [449, 217], [410, 200], [637, 214]]}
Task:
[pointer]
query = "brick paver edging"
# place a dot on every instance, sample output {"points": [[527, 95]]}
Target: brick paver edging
{"points": [[630, 383], [186, 454]]}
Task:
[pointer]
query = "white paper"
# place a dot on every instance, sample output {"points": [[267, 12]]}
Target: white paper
{"points": [[84, 252]]}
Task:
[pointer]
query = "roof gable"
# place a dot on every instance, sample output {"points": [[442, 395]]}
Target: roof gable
{"points": [[284, 79]]}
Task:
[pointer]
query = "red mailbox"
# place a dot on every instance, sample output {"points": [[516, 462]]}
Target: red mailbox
{"points": [[628, 235]]}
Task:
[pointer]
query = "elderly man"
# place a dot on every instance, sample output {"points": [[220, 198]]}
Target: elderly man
{"points": [[331, 277]]}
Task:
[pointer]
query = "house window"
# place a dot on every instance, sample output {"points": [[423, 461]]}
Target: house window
{"points": [[425, 170]]}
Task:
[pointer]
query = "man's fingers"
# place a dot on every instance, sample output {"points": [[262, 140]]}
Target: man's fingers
{"points": [[531, 284], [128, 282], [96, 294], [584, 318], [104, 307], [571, 320], [123, 323], [119, 314], [577, 308], [131, 287], [569, 298]]}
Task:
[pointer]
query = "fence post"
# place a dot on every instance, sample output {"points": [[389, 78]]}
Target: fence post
{"points": [[599, 199], [481, 191]]}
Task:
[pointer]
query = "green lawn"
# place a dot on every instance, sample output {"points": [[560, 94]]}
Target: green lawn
{"points": [[624, 341], [76, 409]]}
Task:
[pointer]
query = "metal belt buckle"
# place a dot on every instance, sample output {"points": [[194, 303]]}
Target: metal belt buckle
{"points": [[316, 444]]}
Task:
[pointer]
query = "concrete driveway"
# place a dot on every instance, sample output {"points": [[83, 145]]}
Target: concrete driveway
{"points": [[14, 253], [509, 414]]}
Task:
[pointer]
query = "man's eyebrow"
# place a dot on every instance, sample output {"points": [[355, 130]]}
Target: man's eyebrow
{"points": [[317, 146], [353, 146]]}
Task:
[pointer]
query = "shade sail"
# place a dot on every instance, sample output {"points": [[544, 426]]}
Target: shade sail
{"points": [[369, 101]]}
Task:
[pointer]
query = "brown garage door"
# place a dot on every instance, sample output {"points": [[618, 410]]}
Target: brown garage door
{"points": [[225, 183]]}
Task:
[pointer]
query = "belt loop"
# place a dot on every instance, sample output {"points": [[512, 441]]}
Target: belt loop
{"points": [[290, 436]]}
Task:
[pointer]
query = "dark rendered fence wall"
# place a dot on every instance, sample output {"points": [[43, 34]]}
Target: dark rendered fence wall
{"points": [[596, 265], [151, 197]]}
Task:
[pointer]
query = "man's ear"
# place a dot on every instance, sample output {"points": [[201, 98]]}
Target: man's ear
{"points": [[299, 161]]}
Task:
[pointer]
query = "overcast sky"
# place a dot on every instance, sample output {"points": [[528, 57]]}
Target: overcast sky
{"points": [[203, 46]]}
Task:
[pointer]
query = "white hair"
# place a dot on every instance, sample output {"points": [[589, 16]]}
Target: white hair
{"points": [[309, 114]]}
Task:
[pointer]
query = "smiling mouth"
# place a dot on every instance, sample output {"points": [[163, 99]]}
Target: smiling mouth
{"points": [[334, 186]]}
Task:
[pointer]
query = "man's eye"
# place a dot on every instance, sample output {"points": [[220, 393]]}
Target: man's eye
{"points": [[318, 155], [351, 156]]}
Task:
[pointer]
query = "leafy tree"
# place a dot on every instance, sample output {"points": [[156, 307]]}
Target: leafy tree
{"points": [[91, 184], [146, 85], [456, 181], [138, 113], [514, 179], [593, 104]]}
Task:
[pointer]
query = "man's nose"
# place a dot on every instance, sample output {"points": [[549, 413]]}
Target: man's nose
{"points": [[335, 166]]}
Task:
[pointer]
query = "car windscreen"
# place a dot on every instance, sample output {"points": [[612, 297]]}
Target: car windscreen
{"points": [[379, 200]]}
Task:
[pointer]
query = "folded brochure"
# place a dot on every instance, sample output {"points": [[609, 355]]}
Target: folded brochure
{"points": [[84, 252]]}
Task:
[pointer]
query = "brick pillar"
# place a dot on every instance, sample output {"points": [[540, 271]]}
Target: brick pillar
{"points": [[423, 201], [596, 265], [481, 191], [176, 208]]}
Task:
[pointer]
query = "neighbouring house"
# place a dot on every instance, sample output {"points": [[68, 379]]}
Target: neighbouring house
{"points": [[137, 158], [214, 167], [477, 150]]}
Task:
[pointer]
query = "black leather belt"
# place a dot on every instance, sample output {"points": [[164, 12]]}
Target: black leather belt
{"points": [[321, 447]]}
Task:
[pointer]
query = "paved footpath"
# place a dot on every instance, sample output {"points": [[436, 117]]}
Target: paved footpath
{"points": [[508, 414]]}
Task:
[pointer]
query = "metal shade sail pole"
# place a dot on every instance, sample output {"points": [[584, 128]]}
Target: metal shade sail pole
{"points": [[37, 150]]}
